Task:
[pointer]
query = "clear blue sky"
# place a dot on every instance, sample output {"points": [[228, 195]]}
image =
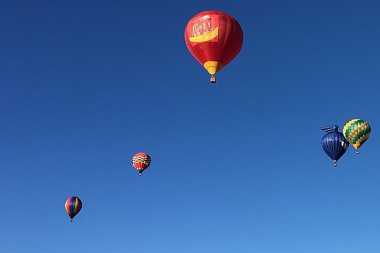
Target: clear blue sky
{"points": [[237, 166]]}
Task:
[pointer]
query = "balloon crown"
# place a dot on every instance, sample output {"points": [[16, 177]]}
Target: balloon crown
{"points": [[330, 129]]}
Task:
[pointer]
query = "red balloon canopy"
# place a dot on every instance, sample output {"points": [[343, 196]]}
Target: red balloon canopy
{"points": [[214, 38], [141, 161]]}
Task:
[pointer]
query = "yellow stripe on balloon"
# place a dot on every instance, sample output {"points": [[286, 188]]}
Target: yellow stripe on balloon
{"points": [[205, 37]]}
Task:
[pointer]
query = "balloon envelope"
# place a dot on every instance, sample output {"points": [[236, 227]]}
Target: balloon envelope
{"points": [[334, 144], [73, 206], [214, 38], [357, 132], [141, 161]]}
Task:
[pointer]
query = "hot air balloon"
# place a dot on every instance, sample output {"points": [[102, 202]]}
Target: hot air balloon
{"points": [[141, 161], [214, 38], [357, 131], [333, 143], [73, 206]]}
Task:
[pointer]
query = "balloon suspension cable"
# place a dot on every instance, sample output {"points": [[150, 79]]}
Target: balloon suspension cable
{"points": [[213, 79]]}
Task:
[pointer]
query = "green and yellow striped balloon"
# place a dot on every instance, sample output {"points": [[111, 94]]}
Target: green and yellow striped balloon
{"points": [[357, 131]]}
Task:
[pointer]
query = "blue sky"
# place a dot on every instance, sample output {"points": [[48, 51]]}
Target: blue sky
{"points": [[237, 166]]}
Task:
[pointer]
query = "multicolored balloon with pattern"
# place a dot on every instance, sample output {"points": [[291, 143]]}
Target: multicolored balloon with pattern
{"points": [[141, 161], [333, 143], [357, 132], [73, 206]]}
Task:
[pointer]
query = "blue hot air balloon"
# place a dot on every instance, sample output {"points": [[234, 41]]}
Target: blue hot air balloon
{"points": [[333, 143]]}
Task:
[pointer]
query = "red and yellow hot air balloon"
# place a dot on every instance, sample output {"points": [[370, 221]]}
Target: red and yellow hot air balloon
{"points": [[214, 38], [141, 161]]}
